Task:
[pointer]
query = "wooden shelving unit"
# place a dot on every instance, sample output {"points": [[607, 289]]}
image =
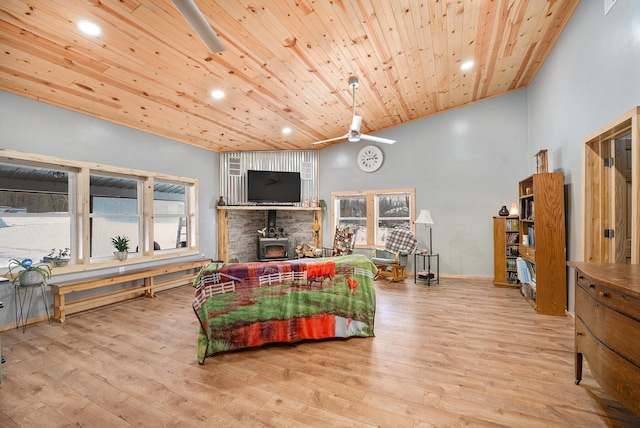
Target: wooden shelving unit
{"points": [[506, 243], [542, 220]]}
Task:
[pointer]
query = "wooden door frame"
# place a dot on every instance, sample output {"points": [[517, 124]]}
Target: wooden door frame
{"points": [[602, 204]]}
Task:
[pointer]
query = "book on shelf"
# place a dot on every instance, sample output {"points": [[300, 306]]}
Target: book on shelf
{"points": [[423, 274], [526, 271], [512, 277], [532, 236], [527, 211]]}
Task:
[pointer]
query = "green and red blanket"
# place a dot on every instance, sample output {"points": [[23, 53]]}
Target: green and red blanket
{"points": [[243, 305]]}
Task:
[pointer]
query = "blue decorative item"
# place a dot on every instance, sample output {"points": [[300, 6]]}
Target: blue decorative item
{"points": [[26, 263]]}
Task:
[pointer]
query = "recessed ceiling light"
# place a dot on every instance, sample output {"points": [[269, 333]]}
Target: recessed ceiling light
{"points": [[89, 28], [217, 94], [286, 130], [466, 65]]}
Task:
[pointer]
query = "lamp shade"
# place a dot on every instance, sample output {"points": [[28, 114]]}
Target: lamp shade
{"points": [[424, 217]]}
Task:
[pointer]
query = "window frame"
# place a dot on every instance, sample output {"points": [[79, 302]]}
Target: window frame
{"points": [[371, 215], [184, 214], [138, 215], [79, 175]]}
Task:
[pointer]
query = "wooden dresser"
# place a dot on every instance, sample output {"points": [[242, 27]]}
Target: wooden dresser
{"points": [[607, 328]]}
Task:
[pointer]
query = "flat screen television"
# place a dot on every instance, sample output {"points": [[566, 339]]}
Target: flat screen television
{"points": [[273, 187]]}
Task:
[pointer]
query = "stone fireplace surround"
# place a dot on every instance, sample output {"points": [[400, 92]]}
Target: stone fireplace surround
{"points": [[238, 229]]}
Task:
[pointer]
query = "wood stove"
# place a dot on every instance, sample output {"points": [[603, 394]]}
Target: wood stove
{"points": [[270, 249]]}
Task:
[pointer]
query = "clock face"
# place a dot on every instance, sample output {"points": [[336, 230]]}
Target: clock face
{"points": [[370, 158]]}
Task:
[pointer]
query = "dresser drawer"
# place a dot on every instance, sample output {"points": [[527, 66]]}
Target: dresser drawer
{"points": [[613, 298], [528, 252], [615, 330], [617, 376]]}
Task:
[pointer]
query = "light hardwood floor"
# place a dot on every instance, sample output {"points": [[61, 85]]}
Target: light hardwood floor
{"points": [[459, 353]]}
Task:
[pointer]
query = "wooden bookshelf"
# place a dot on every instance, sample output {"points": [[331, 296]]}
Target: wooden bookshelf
{"points": [[542, 220], [506, 240]]}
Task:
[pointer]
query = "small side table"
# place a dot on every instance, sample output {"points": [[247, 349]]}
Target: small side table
{"points": [[426, 274]]}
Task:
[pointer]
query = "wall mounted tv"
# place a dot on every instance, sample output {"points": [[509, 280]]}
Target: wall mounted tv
{"points": [[274, 187]]}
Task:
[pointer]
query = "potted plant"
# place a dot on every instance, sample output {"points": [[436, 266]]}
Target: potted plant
{"points": [[25, 273], [121, 244], [58, 257]]}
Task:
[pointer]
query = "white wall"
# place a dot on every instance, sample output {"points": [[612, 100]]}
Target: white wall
{"points": [[591, 77], [35, 127], [464, 165]]}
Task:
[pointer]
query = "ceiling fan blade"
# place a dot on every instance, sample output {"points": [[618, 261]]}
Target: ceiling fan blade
{"points": [[196, 19], [376, 139], [331, 139], [356, 123]]}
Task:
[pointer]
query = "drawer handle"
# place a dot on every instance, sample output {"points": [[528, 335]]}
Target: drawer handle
{"points": [[603, 294], [579, 333], [592, 286]]}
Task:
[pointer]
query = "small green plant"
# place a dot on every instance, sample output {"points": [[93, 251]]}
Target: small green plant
{"points": [[24, 272], [59, 253], [58, 257], [121, 243]]}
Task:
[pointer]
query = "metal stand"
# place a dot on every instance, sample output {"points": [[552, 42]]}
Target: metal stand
{"points": [[20, 298], [429, 276]]}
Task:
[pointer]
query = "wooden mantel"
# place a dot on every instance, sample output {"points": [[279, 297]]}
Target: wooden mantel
{"points": [[267, 208], [223, 224]]}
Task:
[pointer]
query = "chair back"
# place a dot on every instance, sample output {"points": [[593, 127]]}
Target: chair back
{"points": [[344, 240], [400, 239]]}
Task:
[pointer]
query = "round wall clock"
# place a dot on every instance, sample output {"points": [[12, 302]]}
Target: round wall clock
{"points": [[370, 158]]}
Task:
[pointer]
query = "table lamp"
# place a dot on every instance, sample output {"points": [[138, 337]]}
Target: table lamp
{"points": [[425, 218]]}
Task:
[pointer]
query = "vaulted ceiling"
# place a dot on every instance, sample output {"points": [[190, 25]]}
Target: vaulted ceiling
{"points": [[287, 63]]}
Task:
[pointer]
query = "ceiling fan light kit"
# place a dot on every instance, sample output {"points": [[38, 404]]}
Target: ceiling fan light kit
{"points": [[354, 135]]}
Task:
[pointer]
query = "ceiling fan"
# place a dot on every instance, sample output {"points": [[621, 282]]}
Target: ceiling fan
{"points": [[354, 134], [196, 19]]}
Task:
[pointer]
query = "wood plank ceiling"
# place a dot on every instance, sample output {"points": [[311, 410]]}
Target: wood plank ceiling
{"points": [[286, 63]]}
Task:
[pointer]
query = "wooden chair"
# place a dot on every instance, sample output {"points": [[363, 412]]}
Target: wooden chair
{"points": [[344, 239], [393, 259]]}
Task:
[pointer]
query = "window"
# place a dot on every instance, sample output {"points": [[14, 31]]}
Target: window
{"points": [[55, 203], [34, 212], [392, 210], [352, 211], [170, 223], [114, 211], [372, 213]]}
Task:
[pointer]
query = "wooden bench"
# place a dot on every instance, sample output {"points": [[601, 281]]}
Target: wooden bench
{"points": [[60, 291]]}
